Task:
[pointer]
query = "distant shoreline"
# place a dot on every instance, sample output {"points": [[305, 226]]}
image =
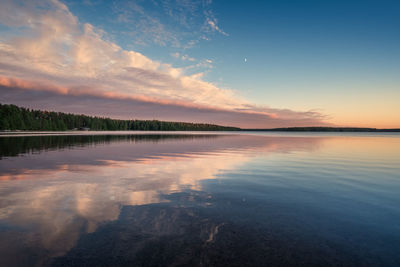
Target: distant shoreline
{"points": [[14, 119], [288, 130], [324, 129]]}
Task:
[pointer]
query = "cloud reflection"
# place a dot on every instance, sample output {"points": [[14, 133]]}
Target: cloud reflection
{"points": [[56, 195]]}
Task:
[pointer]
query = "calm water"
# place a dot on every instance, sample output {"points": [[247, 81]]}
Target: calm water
{"points": [[200, 200]]}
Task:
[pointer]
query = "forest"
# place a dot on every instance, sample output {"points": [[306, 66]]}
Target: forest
{"points": [[13, 117]]}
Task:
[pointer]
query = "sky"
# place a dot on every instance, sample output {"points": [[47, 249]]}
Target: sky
{"points": [[252, 64]]}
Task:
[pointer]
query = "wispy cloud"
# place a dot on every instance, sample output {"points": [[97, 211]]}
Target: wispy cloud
{"points": [[183, 57], [213, 25], [176, 23], [50, 53], [144, 27]]}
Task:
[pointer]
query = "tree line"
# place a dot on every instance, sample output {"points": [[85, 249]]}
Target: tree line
{"points": [[13, 117]]}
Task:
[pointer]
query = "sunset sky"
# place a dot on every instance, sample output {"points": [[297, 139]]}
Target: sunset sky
{"points": [[254, 64]]}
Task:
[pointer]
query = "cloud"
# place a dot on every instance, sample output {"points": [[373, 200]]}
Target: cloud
{"points": [[183, 57], [174, 23], [148, 29], [48, 52], [213, 25], [79, 101]]}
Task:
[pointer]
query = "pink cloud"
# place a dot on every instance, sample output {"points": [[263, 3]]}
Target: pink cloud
{"points": [[128, 107], [64, 60]]}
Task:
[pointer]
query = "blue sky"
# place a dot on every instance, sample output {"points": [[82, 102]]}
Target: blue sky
{"points": [[299, 49], [338, 58]]}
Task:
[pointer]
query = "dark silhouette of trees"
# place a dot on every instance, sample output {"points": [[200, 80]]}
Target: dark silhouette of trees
{"points": [[13, 117]]}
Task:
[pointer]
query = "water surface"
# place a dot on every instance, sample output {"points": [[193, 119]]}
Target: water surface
{"points": [[200, 199]]}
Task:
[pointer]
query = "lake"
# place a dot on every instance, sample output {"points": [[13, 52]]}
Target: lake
{"points": [[200, 199]]}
